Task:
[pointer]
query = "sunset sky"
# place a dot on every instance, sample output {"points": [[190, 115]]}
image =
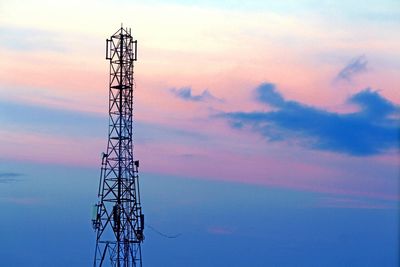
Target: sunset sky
{"points": [[267, 131]]}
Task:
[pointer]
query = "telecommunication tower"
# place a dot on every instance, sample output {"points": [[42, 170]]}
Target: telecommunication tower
{"points": [[117, 217]]}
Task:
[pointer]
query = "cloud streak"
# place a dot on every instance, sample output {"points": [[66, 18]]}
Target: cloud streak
{"points": [[9, 177], [43, 119], [355, 66], [372, 130], [186, 94]]}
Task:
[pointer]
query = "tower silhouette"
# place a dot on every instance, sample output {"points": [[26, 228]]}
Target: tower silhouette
{"points": [[117, 217]]}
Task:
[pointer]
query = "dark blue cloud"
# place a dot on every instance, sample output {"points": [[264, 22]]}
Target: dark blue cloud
{"points": [[373, 104], [355, 66], [269, 95], [9, 174], [371, 130], [185, 93], [8, 177]]}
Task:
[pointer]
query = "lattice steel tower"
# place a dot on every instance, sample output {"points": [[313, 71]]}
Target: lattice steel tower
{"points": [[117, 217]]}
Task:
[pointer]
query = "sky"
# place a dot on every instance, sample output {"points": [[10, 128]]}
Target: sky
{"points": [[267, 131]]}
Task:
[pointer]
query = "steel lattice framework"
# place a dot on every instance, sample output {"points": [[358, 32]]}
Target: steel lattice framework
{"points": [[118, 218]]}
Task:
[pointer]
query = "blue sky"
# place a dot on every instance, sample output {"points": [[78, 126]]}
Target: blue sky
{"points": [[218, 223], [267, 131]]}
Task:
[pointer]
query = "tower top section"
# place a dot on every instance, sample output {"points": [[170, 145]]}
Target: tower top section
{"points": [[120, 43], [122, 31]]}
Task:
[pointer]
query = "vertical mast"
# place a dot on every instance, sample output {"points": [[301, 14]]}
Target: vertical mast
{"points": [[118, 218]]}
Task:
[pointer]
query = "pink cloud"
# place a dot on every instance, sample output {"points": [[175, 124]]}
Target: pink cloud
{"points": [[72, 81], [220, 230], [313, 173], [46, 148], [350, 203]]}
